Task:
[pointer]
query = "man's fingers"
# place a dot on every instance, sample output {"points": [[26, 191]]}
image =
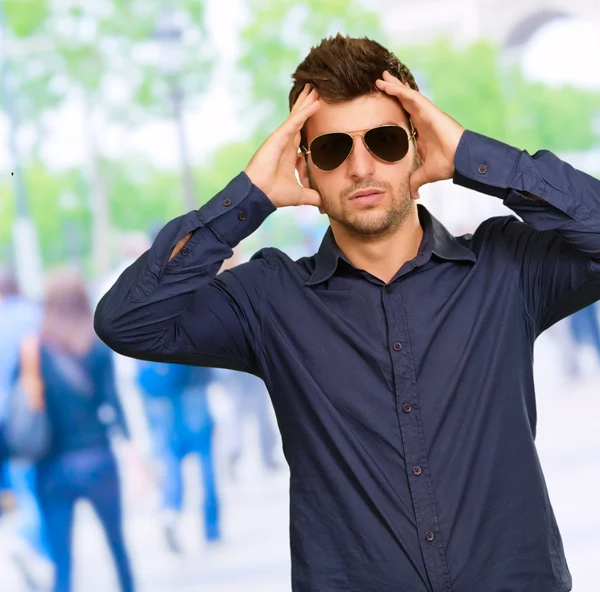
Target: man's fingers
{"points": [[398, 90], [306, 96], [305, 92], [296, 120], [413, 101]]}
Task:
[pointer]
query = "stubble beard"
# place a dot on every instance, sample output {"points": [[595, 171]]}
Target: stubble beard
{"points": [[371, 222]]}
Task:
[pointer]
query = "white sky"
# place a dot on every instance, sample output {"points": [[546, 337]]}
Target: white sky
{"points": [[563, 51]]}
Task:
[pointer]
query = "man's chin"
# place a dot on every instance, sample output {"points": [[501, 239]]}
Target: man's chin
{"points": [[367, 227]]}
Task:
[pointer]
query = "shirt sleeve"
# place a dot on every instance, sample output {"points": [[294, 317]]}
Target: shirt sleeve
{"points": [[180, 311], [557, 243]]}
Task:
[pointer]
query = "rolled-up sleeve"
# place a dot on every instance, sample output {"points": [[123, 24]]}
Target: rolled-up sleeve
{"points": [[179, 311]]}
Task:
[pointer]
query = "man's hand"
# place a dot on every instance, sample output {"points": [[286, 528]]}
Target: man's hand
{"points": [[273, 167], [438, 134]]}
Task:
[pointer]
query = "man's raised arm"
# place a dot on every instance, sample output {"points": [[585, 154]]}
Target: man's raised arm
{"points": [[170, 305]]}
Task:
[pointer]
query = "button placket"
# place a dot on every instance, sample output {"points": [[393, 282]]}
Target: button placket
{"points": [[415, 451]]}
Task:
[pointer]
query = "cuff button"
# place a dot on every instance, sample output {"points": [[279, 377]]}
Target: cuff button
{"points": [[227, 202], [482, 169], [242, 216]]}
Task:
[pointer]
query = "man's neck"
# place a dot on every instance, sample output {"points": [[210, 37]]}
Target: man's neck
{"points": [[384, 256]]}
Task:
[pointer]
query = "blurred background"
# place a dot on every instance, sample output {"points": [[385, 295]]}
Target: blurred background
{"points": [[118, 115]]}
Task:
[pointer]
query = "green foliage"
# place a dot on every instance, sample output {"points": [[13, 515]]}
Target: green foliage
{"points": [[141, 196], [85, 47], [474, 86], [25, 17]]}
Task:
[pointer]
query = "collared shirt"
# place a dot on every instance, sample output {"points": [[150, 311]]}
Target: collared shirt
{"points": [[407, 410]]}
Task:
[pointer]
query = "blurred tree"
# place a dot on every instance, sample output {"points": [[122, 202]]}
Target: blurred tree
{"points": [[475, 86], [107, 56]]}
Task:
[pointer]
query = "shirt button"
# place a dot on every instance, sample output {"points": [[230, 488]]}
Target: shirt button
{"points": [[407, 407], [429, 537], [388, 289], [185, 251], [227, 202], [417, 471], [242, 216], [482, 169], [397, 346]]}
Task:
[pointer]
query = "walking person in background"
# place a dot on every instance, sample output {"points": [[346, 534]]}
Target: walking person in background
{"points": [[180, 422], [250, 400], [584, 329], [77, 389], [249, 397], [19, 317]]}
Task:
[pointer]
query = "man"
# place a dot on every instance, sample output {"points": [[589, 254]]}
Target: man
{"points": [[398, 358]]}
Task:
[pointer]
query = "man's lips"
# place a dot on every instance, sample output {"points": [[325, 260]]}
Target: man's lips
{"points": [[364, 192]]}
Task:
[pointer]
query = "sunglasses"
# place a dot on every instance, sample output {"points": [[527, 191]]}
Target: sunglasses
{"points": [[386, 142]]}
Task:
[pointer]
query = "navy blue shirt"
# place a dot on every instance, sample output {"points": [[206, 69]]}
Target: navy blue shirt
{"points": [[407, 410]]}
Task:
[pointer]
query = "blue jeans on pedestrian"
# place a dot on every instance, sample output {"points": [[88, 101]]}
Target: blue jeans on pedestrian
{"points": [[22, 480], [82, 475], [180, 427]]}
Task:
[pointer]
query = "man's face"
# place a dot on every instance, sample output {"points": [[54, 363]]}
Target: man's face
{"points": [[367, 217]]}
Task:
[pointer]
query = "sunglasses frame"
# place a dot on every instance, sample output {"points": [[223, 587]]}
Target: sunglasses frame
{"points": [[362, 134]]}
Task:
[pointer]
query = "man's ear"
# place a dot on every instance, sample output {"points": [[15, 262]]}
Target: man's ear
{"points": [[302, 169]]}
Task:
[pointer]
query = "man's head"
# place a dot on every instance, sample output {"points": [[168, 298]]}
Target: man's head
{"points": [[8, 283], [343, 70]]}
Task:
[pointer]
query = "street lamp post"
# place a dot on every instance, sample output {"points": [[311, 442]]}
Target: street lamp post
{"points": [[26, 250], [169, 34]]}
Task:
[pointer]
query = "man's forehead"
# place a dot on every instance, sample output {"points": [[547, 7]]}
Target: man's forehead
{"points": [[361, 113]]}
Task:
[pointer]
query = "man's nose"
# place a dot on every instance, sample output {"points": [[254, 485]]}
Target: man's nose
{"points": [[361, 163]]}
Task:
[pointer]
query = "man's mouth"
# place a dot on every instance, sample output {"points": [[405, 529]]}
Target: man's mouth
{"points": [[366, 196]]}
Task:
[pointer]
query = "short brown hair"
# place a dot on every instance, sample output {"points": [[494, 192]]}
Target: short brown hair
{"points": [[344, 68]]}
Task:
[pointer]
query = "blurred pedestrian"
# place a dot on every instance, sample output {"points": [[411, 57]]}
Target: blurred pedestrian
{"points": [[77, 389], [250, 400], [181, 424], [18, 318], [584, 329]]}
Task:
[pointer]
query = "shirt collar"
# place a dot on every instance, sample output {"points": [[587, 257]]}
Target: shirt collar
{"points": [[437, 239]]}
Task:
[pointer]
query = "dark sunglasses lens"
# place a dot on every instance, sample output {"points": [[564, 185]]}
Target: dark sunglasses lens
{"points": [[329, 151], [390, 142]]}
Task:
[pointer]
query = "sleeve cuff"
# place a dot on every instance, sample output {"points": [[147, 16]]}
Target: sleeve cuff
{"points": [[237, 211], [485, 165]]}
